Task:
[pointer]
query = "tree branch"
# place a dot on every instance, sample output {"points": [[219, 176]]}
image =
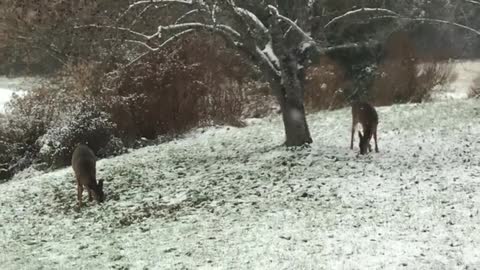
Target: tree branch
{"points": [[360, 10], [163, 45], [122, 29], [295, 26], [430, 20], [473, 2], [184, 26]]}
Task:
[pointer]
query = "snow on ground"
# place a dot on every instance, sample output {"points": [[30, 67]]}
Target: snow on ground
{"points": [[228, 198]]}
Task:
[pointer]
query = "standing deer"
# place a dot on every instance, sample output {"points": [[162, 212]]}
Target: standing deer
{"points": [[367, 116], [83, 164]]}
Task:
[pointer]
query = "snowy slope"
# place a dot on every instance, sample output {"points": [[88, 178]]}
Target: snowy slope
{"points": [[227, 198]]}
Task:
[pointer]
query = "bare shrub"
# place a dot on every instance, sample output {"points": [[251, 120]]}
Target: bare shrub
{"points": [[161, 94], [85, 123], [259, 100], [395, 81], [430, 75], [402, 78], [323, 87], [224, 103], [412, 82], [200, 83], [164, 94], [226, 75], [475, 88]]}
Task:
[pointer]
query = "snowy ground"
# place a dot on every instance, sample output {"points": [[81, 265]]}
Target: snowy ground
{"points": [[230, 198]]}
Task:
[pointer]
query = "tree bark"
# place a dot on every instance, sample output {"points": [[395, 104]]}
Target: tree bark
{"points": [[295, 122], [290, 96]]}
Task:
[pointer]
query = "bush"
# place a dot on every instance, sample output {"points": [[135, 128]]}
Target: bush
{"points": [[402, 78], [111, 108], [172, 92], [475, 88], [431, 75], [404, 82], [16, 153], [84, 124], [41, 127], [259, 100], [324, 86]]}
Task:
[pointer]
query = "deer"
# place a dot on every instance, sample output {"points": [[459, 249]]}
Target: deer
{"points": [[366, 115], [83, 164]]}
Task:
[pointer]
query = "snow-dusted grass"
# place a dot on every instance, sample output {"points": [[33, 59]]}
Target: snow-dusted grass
{"points": [[228, 198]]}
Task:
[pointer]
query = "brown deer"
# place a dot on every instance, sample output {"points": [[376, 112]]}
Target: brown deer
{"points": [[83, 164], [367, 116]]}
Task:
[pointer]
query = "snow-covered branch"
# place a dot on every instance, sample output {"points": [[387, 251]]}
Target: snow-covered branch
{"points": [[430, 20], [348, 46], [186, 15], [185, 26], [175, 37], [122, 29], [295, 26], [361, 10], [473, 2], [146, 2], [252, 17], [163, 45], [137, 42], [266, 60]]}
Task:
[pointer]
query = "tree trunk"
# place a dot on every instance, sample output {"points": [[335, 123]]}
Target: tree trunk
{"points": [[290, 94], [295, 122]]}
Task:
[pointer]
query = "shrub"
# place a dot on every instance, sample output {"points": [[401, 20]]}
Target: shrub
{"points": [[172, 92], [109, 108], [408, 81], [259, 100], [402, 78], [324, 86], [83, 124], [475, 88], [431, 75], [161, 95]]}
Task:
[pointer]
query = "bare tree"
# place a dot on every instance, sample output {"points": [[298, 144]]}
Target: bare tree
{"points": [[275, 34]]}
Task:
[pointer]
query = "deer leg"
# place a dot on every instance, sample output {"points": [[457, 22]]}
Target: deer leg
{"points": [[353, 133], [375, 138], [90, 198], [79, 194]]}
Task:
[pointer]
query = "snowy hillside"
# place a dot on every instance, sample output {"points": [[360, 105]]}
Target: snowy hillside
{"points": [[229, 198]]}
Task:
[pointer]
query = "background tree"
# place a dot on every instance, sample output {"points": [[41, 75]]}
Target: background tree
{"points": [[273, 35]]}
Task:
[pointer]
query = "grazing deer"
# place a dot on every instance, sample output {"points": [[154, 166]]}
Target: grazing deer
{"points": [[367, 116], [83, 164]]}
